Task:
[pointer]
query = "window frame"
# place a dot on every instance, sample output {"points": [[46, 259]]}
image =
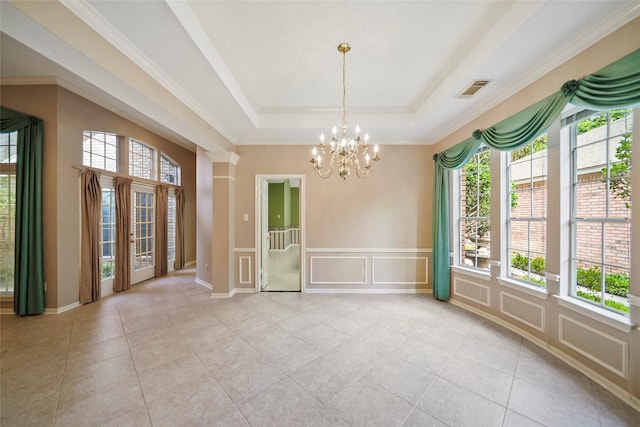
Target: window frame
{"points": [[601, 221], [530, 159], [102, 155], [151, 170], [178, 170], [459, 235]]}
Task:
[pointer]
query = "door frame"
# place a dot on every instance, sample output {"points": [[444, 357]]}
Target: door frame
{"points": [[258, 218]]}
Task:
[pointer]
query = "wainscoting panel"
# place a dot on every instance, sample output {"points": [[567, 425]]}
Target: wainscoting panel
{"points": [[334, 270], [472, 291], [245, 271], [399, 270], [523, 311], [603, 349]]}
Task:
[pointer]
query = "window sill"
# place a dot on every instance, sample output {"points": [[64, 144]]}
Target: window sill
{"points": [[599, 314], [536, 291], [478, 274]]}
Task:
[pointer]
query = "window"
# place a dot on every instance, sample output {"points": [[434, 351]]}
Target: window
{"points": [[601, 217], [100, 150], [475, 186], [169, 170], [527, 221], [141, 160], [8, 160], [108, 235], [171, 229]]}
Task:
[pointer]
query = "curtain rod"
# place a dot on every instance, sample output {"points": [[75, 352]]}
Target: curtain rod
{"points": [[122, 175]]}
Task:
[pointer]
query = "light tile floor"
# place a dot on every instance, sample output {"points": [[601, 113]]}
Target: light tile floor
{"points": [[284, 270], [164, 353]]}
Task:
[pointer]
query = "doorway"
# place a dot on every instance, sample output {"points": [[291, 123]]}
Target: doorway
{"points": [[279, 233]]}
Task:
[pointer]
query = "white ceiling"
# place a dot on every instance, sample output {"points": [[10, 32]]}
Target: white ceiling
{"points": [[224, 73]]}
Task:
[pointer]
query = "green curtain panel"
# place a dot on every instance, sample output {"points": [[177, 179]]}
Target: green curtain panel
{"points": [[453, 158], [615, 86], [28, 294]]}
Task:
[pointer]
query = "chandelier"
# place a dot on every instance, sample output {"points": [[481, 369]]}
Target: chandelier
{"points": [[346, 152]]}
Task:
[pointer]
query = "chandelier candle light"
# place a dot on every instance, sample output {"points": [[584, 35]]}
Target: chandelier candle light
{"points": [[345, 152]]}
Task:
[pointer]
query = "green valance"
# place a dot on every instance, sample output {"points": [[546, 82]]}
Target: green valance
{"points": [[615, 86], [28, 294]]}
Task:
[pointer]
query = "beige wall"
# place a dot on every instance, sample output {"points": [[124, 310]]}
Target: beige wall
{"points": [[386, 215], [66, 116]]}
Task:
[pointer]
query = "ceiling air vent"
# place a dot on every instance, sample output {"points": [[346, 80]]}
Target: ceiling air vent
{"points": [[473, 88]]}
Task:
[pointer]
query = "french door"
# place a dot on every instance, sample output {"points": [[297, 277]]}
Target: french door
{"points": [[142, 233]]}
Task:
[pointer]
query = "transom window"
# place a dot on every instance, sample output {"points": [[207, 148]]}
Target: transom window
{"points": [[141, 160], [601, 218], [100, 150], [169, 170], [475, 189], [527, 221]]}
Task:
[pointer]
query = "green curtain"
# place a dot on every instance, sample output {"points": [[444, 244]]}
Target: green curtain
{"points": [[615, 86], [453, 158], [523, 127], [28, 295]]}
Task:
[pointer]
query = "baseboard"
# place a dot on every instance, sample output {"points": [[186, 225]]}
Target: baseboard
{"points": [[62, 309], [203, 283], [232, 292], [365, 291], [621, 393]]}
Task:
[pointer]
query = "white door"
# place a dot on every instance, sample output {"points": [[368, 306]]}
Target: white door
{"points": [[142, 234], [264, 232]]}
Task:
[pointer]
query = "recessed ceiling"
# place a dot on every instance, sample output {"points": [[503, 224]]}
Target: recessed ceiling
{"points": [[224, 73]]}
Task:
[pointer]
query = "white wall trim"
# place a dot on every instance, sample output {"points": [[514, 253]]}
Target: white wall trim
{"points": [[368, 250], [223, 157], [373, 270], [552, 276], [232, 292], [543, 322], [231, 178], [62, 309], [203, 283], [624, 373], [244, 250], [609, 318], [248, 270], [487, 288], [366, 291], [478, 274], [313, 282], [523, 287], [604, 382]]}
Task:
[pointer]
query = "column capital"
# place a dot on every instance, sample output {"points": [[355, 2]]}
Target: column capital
{"points": [[223, 157]]}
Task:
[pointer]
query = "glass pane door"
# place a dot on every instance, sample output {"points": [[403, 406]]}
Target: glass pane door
{"points": [[143, 235]]}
